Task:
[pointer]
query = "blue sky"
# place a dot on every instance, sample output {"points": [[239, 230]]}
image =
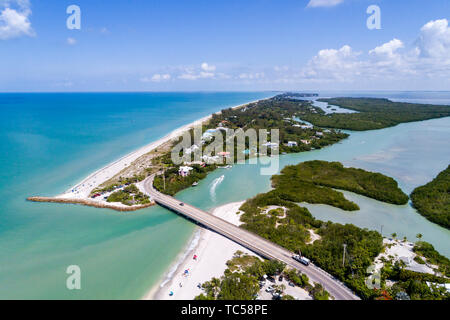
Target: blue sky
{"points": [[185, 45]]}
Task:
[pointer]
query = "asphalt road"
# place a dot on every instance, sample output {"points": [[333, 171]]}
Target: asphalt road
{"points": [[251, 241]]}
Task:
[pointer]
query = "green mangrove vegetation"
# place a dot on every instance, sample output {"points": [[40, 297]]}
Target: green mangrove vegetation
{"points": [[373, 113], [426, 250], [293, 228], [433, 199], [241, 280], [170, 182], [294, 180], [410, 285], [275, 113], [129, 196], [292, 232]]}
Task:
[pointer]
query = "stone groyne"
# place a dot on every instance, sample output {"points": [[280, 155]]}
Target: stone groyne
{"points": [[90, 203]]}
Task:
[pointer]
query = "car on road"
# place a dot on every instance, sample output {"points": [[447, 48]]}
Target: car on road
{"points": [[181, 204], [280, 278], [301, 259]]}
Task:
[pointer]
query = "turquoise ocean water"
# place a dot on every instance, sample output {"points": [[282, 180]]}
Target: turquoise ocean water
{"points": [[51, 141]]}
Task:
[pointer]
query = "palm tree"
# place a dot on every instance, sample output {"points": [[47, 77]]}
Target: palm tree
{"points": [[394, 235], [419, 236], [215, 285]]}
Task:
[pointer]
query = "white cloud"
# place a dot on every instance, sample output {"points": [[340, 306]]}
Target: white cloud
{"points": [[71, 41], [208, 68], [323, 3], [388, 49], [428, 58], [332, 64], [14, 19], [252, 76], [161, 77], [434, 40], [188, 76], [157, 78], [206, 72]]}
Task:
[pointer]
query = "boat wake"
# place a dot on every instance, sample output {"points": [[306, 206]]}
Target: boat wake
{"points": [[214, 184]]}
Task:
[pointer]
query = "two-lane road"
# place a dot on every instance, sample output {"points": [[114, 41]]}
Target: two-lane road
{"points": [[249, 240]]}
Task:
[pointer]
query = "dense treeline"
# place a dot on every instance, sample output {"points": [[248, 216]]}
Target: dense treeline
{"points": [[291, 230], [175, 183], [374, 113], [292, 233], [297, 180], [129, 196], [433, 199], [276, 113], [301, 191], [362, 246], [241, 280]]}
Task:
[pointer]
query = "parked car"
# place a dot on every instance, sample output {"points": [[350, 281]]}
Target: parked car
{"points": [[270, 289], [276, 296], [280, 278]]}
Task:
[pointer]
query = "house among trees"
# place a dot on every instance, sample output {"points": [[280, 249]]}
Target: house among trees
{"points": [[184, 171], [271, 145], [224, 154]]}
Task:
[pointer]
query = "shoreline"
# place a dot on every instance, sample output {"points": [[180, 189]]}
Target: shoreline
{"points": [[213, 252], [79, 193], [90, 203], [132, 156]]}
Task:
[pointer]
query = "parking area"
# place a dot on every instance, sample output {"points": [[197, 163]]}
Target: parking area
{"points": [[294, 291]]}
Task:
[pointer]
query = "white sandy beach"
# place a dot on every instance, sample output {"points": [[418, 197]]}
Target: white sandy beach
{"points": [[83, 189], [213, 251]]}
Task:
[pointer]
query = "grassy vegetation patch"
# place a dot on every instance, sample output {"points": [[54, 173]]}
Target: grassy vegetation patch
{"points": [[129, 196]]}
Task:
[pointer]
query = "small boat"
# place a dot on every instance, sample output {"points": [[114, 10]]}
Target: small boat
{"points": [[226, 167], [195, 184]]}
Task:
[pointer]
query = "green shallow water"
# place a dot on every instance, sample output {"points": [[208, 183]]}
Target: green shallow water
{"points": [[49, 142]]}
